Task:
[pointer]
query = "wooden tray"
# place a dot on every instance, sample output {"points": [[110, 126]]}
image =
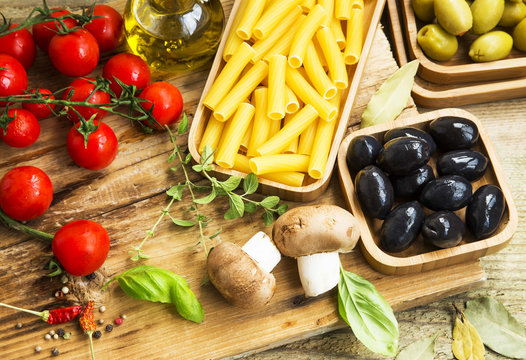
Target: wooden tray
{"points": [[421, 256], [312, 188], [433, 95], [460, 69]]}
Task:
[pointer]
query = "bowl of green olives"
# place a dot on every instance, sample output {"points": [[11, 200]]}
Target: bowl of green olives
{"points": [[428, 191], [459, 41]]}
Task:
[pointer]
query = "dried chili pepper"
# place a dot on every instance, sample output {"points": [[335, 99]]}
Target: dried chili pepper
{"points": [[87, 324], [54, 316]]}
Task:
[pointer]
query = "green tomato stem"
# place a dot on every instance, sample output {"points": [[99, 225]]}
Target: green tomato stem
{"points": [[13, 224]]}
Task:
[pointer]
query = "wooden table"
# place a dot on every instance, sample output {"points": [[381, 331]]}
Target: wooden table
{"points": [[127, 197]]}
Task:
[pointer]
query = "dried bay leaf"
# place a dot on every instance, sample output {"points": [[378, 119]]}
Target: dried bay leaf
{"points": [[467, 344], [392, 97], [419, 350], [499, 330]]}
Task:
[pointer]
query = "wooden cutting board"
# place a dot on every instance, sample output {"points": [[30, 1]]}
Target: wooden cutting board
{"points": [[127, 198]]}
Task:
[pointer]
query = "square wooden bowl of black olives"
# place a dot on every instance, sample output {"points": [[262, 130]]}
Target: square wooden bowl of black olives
{"points": [[428, 191]]}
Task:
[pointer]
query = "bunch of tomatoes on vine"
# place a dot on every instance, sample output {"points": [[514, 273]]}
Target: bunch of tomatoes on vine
{"points": [[73, 43]]}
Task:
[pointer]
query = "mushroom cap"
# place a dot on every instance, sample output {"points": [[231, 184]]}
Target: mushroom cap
{"points": [[314, 229], [239, 278]]}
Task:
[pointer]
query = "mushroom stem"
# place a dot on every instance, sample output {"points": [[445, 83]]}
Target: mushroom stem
{"points": [[263, 251], [319, 272]]}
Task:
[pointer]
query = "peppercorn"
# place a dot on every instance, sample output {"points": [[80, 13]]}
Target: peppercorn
{"points": [[61, 332], [18, 325], [38, 348], [91, 276], [47, 337], [55, 352], [109, 327], [97, 334], [55, 337], [118, 321]]}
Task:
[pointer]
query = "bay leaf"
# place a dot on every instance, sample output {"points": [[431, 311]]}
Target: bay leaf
{"points": [[392, 97], [467, 344], [499, 330], [419, 350]]}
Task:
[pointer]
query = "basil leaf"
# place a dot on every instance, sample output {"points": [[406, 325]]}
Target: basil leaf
{"points": [[250, 184], [182, 223], [419, 350], [183, 125], [237, 204], [250, 207], [268, 218], [185, 301], [367, 313], [282, 209], [176, 192], [231, 183], [269, 202], [499, 330], [206, 199], [207, 156]]}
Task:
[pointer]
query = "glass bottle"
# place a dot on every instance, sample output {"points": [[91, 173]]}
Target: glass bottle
{"points": [[174, 35]]}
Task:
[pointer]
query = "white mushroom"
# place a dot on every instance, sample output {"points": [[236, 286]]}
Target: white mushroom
{"points": [[315, 235]]}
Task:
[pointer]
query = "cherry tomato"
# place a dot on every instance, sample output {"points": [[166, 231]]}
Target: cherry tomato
{"points": [[22, 131], [74, 54], [19, 45], [166, 100], [82, 89], [128, 68], [25, 193], [13, 77], [41, 111], [101, 148], [108, 29], [42, 33], [81, 246]]}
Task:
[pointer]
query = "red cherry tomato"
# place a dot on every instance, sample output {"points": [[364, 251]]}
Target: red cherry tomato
{"points": [[74, 54], [13, 77], [128, 68], [19, 45], [108, 29], [82, 89], [25, 193], [42, 33], [41, 111], [81, 246], [101, 149], [166, 100], [22, 131]]}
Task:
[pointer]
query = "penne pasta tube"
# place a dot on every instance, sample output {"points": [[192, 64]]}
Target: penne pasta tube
{"points": [[337, 32], [232, 40], [353, 46], [337, 69], [292, 104], [250, 17], [275, 127], [262, 123], [228, 75], [299, 122], [292, 147], [357, 4], [316, 73], [328, 5], [309, 95], [342, 9], [246, 138], [307, 138], [279, 163], [282, 45], [272, 16], [262, 47], [244, 87], [290, 178], [307, 5], [231, 140], [276, 87], [304, 34], [320, 54], [212, 134]]}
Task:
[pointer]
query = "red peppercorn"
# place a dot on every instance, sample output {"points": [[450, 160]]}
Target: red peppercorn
{"points": [[118, 321]]}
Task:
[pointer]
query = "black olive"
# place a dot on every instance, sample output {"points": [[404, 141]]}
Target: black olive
{"points": [[412, 132], [453, 133], [362, 151], [374, 191], [470, 164], [402, 155], [400, 228], [450, 192], [412, 184], [485, 211], [443, 229]]}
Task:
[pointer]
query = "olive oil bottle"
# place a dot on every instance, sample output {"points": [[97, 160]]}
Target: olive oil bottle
{"points": [[174, 36]]}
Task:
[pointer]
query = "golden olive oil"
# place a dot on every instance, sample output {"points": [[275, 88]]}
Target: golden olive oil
{"points": [[174, 35]]}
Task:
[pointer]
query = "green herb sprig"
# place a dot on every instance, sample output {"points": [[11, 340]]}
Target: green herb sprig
{"points": [[239, 204]]}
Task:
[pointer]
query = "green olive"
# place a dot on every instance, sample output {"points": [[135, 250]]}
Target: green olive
{"points": [[494, 45], [424, 9], [519, 35], [454, 16], [486, 15], [436, 42], [513, 13]]}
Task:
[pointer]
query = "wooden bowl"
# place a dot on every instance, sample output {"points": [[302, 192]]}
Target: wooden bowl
{"points": [[459, 69], [421, 256], [311, 188]]}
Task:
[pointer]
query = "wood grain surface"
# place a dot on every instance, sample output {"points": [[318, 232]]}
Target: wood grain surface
{"points": [[127, 197]]}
